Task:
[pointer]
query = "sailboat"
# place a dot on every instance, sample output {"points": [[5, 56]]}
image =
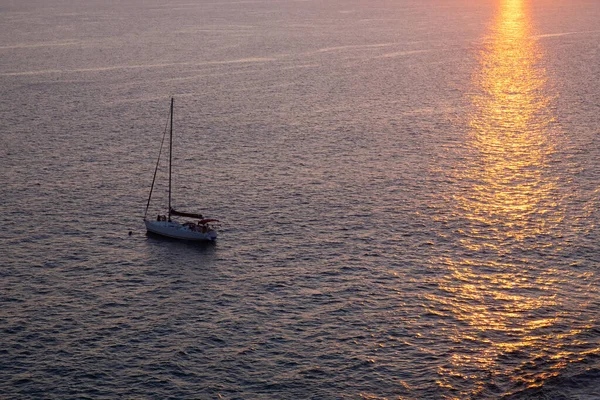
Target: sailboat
{"points": [[196, 227]]}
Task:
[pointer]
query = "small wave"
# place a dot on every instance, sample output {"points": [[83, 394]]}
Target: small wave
{"points": [[353, 47], [548, 35], [403, 53], [139, 66], [582, 385], [38, 45]]}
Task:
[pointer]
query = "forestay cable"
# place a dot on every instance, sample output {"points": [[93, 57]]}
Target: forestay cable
{"points": [[156, 169]]}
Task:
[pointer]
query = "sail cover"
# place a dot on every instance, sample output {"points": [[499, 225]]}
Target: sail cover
{"points": [[207, 220], [185, 214]]}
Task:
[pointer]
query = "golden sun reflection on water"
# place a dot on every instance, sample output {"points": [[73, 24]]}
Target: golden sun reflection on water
{"points": [[509, 133], [500, 289]]}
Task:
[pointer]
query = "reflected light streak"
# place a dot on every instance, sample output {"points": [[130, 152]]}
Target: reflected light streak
{"points": [[497, 291], [508, 131]]}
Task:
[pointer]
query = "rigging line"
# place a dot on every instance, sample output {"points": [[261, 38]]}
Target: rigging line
{"points": [[170, 156], [156, 168]]}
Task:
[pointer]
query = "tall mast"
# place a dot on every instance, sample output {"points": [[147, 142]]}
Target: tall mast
{"points": [[170, 156]]}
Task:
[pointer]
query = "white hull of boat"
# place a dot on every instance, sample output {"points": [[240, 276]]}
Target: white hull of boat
{"points": [[177, 231]]}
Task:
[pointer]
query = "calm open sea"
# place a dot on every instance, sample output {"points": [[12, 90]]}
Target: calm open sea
{"points": [[409, 192]]}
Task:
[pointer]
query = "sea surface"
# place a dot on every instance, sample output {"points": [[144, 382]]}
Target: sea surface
{"points": [[409, 194]]}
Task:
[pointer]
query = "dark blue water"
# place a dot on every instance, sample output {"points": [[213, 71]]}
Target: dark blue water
{"points": [[409, 193]]}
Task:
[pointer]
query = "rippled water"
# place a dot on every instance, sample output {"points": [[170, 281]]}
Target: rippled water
{"points": [[409, 193]]}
